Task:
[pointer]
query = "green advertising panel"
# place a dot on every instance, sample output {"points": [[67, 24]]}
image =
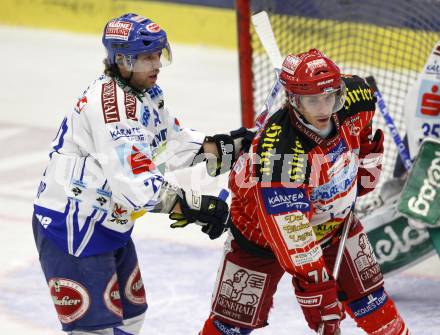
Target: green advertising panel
{"points": [[420, 198], [397, 245]]}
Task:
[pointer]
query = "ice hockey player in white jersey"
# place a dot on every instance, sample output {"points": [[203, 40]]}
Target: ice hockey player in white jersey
{"points": [[106, 169]]}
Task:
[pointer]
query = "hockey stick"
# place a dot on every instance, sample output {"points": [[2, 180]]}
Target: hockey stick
{"points": [[338, 260], [264, 31], [403, 151]]}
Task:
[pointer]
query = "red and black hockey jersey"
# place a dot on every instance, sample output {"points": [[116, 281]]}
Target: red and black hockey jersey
{"points": [[294, 188]]}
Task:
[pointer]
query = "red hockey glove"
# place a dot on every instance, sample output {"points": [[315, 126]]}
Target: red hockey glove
{"points": [[320, 304], [370, 163]]}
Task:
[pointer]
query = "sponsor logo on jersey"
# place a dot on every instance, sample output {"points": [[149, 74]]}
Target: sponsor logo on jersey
{"points": [[340, 164], [135, 158], [176, 125], [78, 186], [154, 92], [145, 117], [109, 102], [369, 304], [353, 123], [159, 138], [282, 200], [323, 229], [70, 298], [132, 134], [307, 257], [41, 188], [112, 296], [361, 252], [103, 197], [119, 215], [356, 95], [139, 162], [156, 118], [337, 151], [226, 329], [77, 191], [428, 104], [102, 201], [44, 220], [308, 132], [339, 184], [295, 229], [119, 30], [239, 293], [130, 106], [298, 162], [270, 138], [134, 288]]}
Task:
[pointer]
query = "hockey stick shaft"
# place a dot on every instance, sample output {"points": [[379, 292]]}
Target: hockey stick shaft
{"points": [[403, 151], [265, 33], [339, 255]]}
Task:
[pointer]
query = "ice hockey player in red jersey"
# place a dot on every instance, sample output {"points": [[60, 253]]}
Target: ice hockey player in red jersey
{"points": [[292, 194]]}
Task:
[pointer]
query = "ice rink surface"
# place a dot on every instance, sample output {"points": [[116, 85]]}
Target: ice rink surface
{"points": [[42, 74]]}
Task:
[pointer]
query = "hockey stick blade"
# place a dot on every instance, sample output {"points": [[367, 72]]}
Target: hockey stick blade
{"points": [[264, 31], [403, 151]]}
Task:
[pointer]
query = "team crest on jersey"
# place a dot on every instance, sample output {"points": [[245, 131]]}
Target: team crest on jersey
{"points": [[239, 293], [134, 289], [70, 298], [112, 296]]}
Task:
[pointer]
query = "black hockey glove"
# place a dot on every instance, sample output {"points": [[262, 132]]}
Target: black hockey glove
{"points": [[229, 148], [209, 211]]}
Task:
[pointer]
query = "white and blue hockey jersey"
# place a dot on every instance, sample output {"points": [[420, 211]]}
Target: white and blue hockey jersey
{"points": [[106, 166]]}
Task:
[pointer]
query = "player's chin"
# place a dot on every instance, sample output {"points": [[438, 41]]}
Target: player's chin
{"points": [[149, 81], [322, 123]]}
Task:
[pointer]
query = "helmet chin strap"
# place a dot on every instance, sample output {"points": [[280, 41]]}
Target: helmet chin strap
{"points": [[300, 116]]}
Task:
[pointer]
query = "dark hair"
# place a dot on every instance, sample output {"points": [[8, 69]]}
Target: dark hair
{"points": [[111, 70]]}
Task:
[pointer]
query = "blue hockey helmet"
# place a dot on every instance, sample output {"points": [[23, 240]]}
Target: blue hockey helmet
{"points": [[131, 35]]}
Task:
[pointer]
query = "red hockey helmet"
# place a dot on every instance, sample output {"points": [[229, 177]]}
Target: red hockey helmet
{"points": [[311, 73]]}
